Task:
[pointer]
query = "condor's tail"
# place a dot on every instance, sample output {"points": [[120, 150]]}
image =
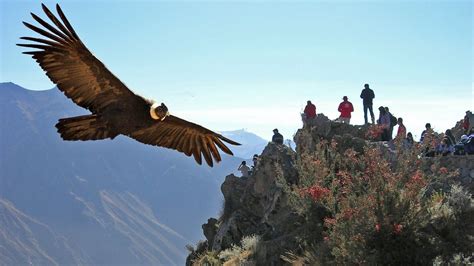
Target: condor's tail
{"points": [[86, 127]]}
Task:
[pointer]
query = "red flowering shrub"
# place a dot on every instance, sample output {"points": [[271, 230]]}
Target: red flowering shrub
{"points": [[374, 132], [377, 210], [315, 192]]}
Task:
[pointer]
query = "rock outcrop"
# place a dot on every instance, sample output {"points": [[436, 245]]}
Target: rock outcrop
{"points": [[347, 136], [260, 204]]}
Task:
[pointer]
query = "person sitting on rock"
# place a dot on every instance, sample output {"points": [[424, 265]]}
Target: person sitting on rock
{"points": [[244, 169], [469, 143], [428, 131], [451, 140], [444, 148], [402, 130], [277, 137], [309, 113], [346, 109], [430, 141], [409, 141]]}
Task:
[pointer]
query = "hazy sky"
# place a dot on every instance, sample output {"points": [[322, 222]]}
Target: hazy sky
{"points": [[253, 64]]}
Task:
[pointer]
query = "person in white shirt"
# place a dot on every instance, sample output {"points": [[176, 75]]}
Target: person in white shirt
{"points": [[244, 169]]}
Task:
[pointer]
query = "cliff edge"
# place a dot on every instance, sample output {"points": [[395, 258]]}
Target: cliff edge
{"points": [[284, 212]]}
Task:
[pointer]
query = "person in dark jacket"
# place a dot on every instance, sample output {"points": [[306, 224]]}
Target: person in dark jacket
{"points": [[451, 140], [368, 95], [277, 137], [393, 122]]}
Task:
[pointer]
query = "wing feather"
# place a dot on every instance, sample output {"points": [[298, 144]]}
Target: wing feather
{"points": [[44, 33], [72, 67], [214, 151], [205, 151], [49, 27], [56, 21], [222, 146], [186, 137], [178, 139], [39, 40], [196, 151], [66, 22]]}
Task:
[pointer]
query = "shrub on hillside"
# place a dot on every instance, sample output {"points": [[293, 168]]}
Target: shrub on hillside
{"points": [[378, 209]]}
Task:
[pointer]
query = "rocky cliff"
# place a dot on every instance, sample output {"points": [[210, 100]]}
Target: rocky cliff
{"points": [[262, 204]]}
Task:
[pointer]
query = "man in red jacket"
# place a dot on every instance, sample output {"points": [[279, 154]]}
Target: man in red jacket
{"points": [[346, 109], [309, 112]]}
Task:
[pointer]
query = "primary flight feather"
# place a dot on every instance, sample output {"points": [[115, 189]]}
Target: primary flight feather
{"points": [[115, 109]]}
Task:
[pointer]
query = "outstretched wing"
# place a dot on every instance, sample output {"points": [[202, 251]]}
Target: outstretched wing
{"points": [[72, 67], [189, 138]]}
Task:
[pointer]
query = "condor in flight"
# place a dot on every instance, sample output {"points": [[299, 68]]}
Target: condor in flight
{"points": [[115, 109]]}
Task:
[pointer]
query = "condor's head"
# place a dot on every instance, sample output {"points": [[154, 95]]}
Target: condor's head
{"points": [[159, 112]]}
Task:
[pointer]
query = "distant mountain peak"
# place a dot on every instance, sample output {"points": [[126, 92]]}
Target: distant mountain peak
{"points": [[13, 86], [9, 85]]}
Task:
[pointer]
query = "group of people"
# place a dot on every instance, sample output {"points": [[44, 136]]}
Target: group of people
{"points": [[386, 121], [245, 170], [436, 144], [345, 108], [447, 143]]}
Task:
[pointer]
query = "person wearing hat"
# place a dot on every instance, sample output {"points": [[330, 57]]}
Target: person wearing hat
{"points": [[346, 109], [277, 137]]}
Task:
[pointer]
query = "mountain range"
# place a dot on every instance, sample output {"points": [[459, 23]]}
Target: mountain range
{"points": [[98, 202]]}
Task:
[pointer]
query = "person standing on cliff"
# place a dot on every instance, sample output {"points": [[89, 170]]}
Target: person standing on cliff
{"points": [[346, 109], [277, 137], [368, 95], [384, 122], [244, 169], [393, 123]]}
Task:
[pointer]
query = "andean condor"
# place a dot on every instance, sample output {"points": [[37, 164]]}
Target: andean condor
{"points": [[115, 109]]}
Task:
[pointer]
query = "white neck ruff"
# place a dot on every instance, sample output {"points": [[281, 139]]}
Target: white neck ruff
{"points": [[153, 112]]}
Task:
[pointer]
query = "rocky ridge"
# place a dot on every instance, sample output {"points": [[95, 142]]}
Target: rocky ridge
{"points": [[260, 204]]}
